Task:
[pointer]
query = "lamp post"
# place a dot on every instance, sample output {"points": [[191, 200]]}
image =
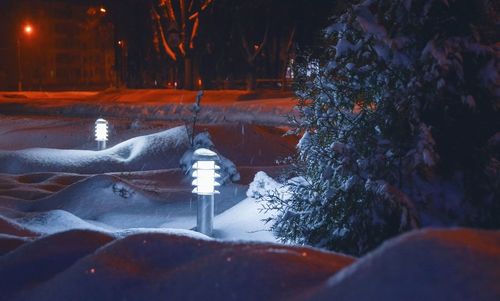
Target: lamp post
{"points": [[204, 174], [101, 133], [28, 30]]}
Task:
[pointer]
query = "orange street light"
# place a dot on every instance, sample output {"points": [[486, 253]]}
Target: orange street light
{"points": [[102, 9], [28, 29]]}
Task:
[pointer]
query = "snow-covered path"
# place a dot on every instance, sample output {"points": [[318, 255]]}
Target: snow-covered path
{"points": [[233, 106]]}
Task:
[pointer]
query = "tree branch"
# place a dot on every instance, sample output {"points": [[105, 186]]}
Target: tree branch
{"points": [[170, 10], [203, 8], [194, 32], [206, 4], [290, 40], [167, 48], [244, 43], [263, 43]]}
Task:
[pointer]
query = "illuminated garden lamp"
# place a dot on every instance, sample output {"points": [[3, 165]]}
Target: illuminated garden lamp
{"points": [[204, 174], [101, 133]]}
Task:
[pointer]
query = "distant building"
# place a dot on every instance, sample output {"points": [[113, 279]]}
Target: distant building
{"points": [[71, 46]]}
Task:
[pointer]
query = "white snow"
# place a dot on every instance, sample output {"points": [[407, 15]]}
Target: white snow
{"points": [[105, 203], [153, 266], [54, 221], [246, 220], [342, 47], [78, 224], [156, 151], [47, 190], [430, 264], [367, 21]]}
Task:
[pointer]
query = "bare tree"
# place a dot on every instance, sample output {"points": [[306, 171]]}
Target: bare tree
{"points": [[177, 23], [285, 56], [251, 53]]}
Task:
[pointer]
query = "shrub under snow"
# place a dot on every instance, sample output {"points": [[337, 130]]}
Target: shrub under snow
{"points": [[396, 123], [228, 169]]}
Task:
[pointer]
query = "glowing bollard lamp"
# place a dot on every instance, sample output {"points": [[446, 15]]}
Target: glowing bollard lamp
{"points": [[204, 174], [101, 133]]}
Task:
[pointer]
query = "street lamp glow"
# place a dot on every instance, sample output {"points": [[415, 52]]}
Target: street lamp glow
{"points": [[205, 175], [28, 29], [101, 133], [102, 10]]}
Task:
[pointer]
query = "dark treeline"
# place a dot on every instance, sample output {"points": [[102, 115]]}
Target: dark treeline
{"points": [[214, 43]]}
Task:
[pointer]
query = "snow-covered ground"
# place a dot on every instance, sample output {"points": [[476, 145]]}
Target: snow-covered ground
{"points": [[116, 224], [134, 184], [457, 264], [231, 106], [56, 180], [453, 264]]}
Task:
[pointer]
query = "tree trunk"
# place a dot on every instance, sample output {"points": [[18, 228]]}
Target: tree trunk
{"points": [[286, 57], [283, 74], [188, 74], [250, 80]]}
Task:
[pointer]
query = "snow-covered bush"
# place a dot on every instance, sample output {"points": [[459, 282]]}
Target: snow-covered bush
{"points": [[228, 169], [406, 96]]}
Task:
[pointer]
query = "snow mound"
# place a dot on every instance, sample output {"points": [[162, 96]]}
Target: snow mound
{"points": [[262, 185], [156, 151], [458, 264], [37, 261], [247, 219], [243, 221], [9, 227], [109, 202], [94, 196], [154, 266], [11, 242], [54, 221], [169, 231]]}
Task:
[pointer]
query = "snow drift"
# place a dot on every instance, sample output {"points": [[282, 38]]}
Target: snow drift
{"points": [[156, 151], [457, 264], [85, 265], [94, 196]]}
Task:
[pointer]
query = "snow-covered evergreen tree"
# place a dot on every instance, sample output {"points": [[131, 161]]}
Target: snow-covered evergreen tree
{"points": [[396, 122]]}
